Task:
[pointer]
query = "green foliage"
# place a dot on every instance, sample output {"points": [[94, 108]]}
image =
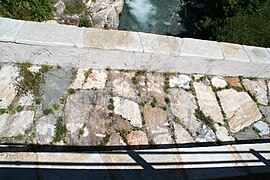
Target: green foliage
{"points": [[243, 22], [56, 106], [47, 111], [85, 22], [206, 120], [71, 91], [31, 10], [30, 81], [76, 7], [19, 108], [60, 130]]}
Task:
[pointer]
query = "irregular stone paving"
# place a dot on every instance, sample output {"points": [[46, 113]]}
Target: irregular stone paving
{"points": [[119, 108]]}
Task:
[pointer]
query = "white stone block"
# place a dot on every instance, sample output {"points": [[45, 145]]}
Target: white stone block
{"points": [[153, 43], [234, 52], [113, 40], [201, 48], [9, 28], [50, 34], [258, 54]]}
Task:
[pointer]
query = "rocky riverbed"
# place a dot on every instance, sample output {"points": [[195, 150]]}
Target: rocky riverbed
{"points": [[68, 106]]}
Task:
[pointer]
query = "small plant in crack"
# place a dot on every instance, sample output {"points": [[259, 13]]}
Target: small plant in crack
{"points": [[19, 108], [56, 106], [105, 140], [110, 105], [154, 103], [71, 91], [207, 120], [11, 109], [60, 130], [46, 112]]}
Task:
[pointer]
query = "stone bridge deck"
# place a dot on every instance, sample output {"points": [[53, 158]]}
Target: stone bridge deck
{"points": [[114, 106]]}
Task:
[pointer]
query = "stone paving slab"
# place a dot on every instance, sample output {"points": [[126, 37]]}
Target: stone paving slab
{"points": [[90, 107], [9, 29]]}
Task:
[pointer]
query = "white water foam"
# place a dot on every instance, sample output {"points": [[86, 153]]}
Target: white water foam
{"points": [[142, 10]]}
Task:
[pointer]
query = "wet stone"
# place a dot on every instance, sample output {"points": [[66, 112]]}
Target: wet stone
{"points": [[137, 138], [8, 75], [121, 83], [153, 87], [129, 110], [247, 134], [258, 89], [181, 81], [208, 102], [183, 106], [241, 111], [55, 86], [45, 129], [157, 125]]}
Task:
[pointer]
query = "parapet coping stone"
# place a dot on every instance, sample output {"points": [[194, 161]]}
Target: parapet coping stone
{"points": [[158, 52]]}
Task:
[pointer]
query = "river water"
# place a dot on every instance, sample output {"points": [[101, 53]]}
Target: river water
{"points": [[154, 16]]}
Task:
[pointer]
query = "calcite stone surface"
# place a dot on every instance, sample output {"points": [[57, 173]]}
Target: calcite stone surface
{"points": [[181, 81], [258, 89], [129, 110], [45, 129], [218, 82], [8, 75], [262, 127], [222, 133], [137, 138], [241, 111], [208, 102], [181, 134], [96, 79], [183, 106]]}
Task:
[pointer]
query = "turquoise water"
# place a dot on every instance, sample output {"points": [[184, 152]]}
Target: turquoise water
{"points": [[154, 16]]}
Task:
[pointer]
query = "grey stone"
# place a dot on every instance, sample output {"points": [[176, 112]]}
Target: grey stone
{"points": [[247, 134], [119, 124], [157, 125], [129, 110], [208, 102], [17, 124], [26, 100], [8, 75], [181, 134], [258, 89], [183, 106], [266, 112], [9, 29], [45, 129], [218, 82], [181, 81], [121, 83], [241, 111], [55, 86], [201, 48], [262, 127], [206, 135]]}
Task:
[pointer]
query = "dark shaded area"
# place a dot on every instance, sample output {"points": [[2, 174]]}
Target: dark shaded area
{"points": [[148, 171]]}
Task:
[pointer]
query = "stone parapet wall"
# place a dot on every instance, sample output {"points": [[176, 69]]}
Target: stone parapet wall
{"points": [[95, 48]]}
